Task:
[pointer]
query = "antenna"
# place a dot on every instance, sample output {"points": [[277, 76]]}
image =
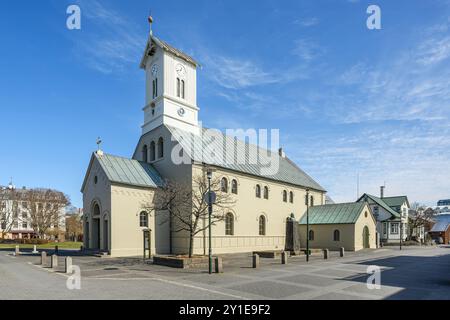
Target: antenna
{"points": [[357, 186]]}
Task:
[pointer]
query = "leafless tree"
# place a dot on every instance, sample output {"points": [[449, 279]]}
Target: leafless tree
{"points": [[9, 209], [185, 206], [419, 216], [74, 226], [44, 208]]}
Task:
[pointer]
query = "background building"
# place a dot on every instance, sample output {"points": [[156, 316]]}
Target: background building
{"points": [[32, 213]]}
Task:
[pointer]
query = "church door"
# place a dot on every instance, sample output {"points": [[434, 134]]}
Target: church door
{"points": [[366, 237]]}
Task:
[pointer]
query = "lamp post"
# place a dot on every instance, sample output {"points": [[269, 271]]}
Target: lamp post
{"points": [[209, 176], [307, 224]]}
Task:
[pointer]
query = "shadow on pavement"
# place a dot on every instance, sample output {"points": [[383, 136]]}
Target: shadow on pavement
{"points": [[419, 276]]}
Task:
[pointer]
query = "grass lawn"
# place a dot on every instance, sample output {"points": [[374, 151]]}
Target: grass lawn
{"points": [[51, 245]]}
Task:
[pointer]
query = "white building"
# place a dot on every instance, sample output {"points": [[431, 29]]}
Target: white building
{"points": [[391, 214], [16, 217]]}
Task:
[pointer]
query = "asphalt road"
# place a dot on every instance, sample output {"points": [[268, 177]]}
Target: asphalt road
{"points": [[413, 273]]}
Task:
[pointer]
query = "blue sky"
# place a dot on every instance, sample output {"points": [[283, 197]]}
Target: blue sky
{"points": [[346, 99]]}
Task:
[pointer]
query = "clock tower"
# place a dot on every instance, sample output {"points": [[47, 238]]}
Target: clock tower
{"points": [[171, 87]]}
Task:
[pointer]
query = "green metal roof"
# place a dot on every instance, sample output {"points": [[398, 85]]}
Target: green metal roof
{"points": [[372, 199], [340, 213], [205, 148], [395, 202], [129, 171]]}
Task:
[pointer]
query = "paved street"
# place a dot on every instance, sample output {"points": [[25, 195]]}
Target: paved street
{"points": [[413, 273]]}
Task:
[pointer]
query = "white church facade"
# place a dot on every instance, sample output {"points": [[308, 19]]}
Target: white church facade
{"points": [[115, 189]]}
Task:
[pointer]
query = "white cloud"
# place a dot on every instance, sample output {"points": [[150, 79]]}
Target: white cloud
{"points": [[234, 73], [307, 49], [117, 43], [307, 22]]}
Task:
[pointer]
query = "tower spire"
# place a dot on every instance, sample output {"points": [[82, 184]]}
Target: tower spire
{"points": [[150, 21]]}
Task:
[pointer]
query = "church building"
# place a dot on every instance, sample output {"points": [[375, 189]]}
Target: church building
{"points": [[267, 187]]}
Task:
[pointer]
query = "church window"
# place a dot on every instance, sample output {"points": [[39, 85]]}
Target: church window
{"points": [[266, 192], [145, 153], [224, 185], [160, 148], [155, 88], [312, 201], [336, 235], [258, 191], [143, 219], [182, 89], [178, 87], [291, 197], [95, 180], [229, 224], [152, 151], [311, 235], [234, 186], [284, 196], [262, 225]]}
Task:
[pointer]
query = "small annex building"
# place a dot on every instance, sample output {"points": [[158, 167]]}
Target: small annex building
{"points": [[333, 226]]}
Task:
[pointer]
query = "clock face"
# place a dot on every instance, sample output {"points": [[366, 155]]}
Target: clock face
{"points": [[181, 112], [181, 70], [154, 70]]}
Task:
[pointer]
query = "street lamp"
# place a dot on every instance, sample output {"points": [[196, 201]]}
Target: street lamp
{"points": [[209, 176], [307, 224]]}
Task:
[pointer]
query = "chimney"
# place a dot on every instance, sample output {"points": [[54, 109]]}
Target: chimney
{"points": [[281, 153], [382, 192]]}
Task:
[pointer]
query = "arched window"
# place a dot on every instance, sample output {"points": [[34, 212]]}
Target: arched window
{"points": [[291, 197], [152, 151], [145, 153], [311, 235], [178, 87], [160, 148], [336, 235], [224, 185], [229, 224], [258, 191], [155, 88], [266, 192], [234, 186], [143, 219], [96, 210], [182, 89], [312, 201], [284, 195], [262, 225]]}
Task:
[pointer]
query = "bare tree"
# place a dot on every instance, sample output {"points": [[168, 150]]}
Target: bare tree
{"points": [[74, 226], [419, 216], [9, 209], [44, 208], [186, 208]]}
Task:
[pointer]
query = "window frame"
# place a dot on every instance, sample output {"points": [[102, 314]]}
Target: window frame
{"points": [[224, 185], [394, 226], [258, 191], [143, 219], [234, 186], [336, 235], [262, 225], [229, 224]]}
